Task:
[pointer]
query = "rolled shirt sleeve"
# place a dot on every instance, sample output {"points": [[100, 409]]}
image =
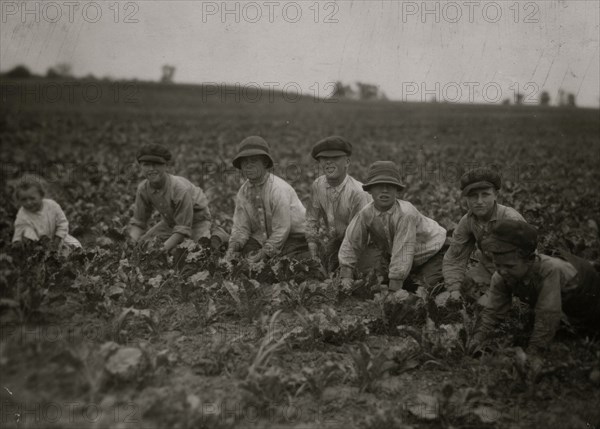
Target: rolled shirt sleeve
{"points": [[497, 306], [242, 226], [456, 258], [183, 212], [403, 247], [415, 239], [355, 241], [281, 220], [548, 309], [313, 214], [142, 208]]}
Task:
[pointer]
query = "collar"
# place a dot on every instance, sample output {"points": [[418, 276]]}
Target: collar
{"points": [[390, 211], [494, 213], [338, 187], [165, 185], [262, 181]]}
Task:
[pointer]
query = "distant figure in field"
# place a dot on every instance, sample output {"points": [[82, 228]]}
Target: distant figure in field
{"points": [[550, 285], [182, 205], [480, 187], [336, 197], [40, 217], [269, 217], [411, 244]]}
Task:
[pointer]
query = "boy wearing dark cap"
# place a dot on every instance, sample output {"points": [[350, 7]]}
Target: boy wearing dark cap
{"points": [[551, 286], [181, 204], [269, 217], [336, 198], [480, 188], [409, 241]]}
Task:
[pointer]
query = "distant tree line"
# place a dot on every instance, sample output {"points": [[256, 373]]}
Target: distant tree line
{"points": [[65, 71], [361, 91], [565, 99]]}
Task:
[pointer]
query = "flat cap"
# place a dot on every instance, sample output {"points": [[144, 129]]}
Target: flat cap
{"points": [[331, 146], [383, 172], [510, 235], [154, 153], [480, 178], [252, 146]]}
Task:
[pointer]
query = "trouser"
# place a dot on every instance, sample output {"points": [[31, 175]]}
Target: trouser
{"points": [[477, 283], [581, 305], [428, 274], [162, 231], [295, 247], [366, 261]]}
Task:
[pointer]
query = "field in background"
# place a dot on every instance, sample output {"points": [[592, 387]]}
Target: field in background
{"points": [[200, 327]]}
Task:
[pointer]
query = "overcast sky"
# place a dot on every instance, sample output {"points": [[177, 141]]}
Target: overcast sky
{"points": [[464, 51]]}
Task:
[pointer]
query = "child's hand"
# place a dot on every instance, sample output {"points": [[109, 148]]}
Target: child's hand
{"points": [[314, 251], [347, 283], [17, 245], [253, 258], [56, 243], [395, 285]]}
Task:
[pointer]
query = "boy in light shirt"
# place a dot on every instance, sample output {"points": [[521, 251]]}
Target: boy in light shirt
{"points": [[336, 197], [269, 217], [411, 244]]}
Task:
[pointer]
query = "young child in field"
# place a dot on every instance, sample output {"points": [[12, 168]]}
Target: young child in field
{"points": [[480, 187], [269, 217], [551, 286], [41, 217], [410, 242], [182, 205], [336, 198]]}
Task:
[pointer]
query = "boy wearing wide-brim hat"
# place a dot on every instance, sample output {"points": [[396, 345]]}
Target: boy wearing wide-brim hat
{"points": [[409, 241], [480, 188], [269, 217], [550, 285], [182, 205], [336, 197]]}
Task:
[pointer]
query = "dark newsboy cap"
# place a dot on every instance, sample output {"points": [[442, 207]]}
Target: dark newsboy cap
{"points": [[331, 146], [383, 172], [251, 146], [510, 235], [480, 178], [154, 153]]}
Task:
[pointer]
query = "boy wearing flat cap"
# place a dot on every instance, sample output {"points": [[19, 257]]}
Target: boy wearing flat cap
{"points": [[480, 187], [410, 241], [551, 286], [182, 205], [269, 217], [336, 198]]}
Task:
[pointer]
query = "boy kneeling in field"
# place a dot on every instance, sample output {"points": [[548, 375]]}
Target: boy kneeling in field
{"points": [[269, 217], [336, 197], [480, 187], [410, 243], [552, 286], [181, 204]]}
